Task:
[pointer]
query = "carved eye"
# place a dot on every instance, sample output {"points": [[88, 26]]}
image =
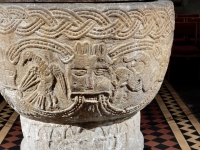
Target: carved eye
{"points": [[99, 72], [81, 72]]}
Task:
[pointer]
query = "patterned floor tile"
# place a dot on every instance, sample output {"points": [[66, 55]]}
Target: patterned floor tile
{"points": [[13, 138], [5, 115], [186, 127], [156, 130]]}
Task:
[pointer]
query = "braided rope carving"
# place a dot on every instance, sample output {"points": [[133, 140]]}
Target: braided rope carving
{"points": [[115, 24]]}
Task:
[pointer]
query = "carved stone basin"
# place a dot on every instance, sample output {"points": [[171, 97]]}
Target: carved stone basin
{"points": [[79, 73]]}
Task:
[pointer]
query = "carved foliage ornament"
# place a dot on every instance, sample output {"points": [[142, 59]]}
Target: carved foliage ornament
{"points": [[83, 64]]}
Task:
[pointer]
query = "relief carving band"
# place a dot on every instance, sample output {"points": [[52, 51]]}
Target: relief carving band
{"points": [[72, 64]]}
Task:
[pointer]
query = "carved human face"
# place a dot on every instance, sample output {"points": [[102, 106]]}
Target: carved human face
{"points": [[90, 77]]}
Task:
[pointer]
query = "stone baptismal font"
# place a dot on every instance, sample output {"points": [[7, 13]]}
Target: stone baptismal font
{"points": [[79, 73]]}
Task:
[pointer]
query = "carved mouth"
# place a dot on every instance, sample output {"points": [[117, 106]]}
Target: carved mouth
{"points": [[90, 97], [97, 102]]}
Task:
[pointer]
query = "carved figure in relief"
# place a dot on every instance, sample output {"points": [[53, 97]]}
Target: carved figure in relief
{"points": [[91, 74], [127, 83], [104, 89], [79, 74], [86, 78], [39, 83]]}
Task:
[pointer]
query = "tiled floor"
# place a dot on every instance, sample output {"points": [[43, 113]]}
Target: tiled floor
{"points": [[185, 126], [157, 133], [13, 138], [166, 123]]}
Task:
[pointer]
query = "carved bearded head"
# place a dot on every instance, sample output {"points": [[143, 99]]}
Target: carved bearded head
{"points": [[90, 73]]}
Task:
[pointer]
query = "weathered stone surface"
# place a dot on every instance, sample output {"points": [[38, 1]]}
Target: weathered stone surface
{"points": [[69, 63], [76, 63], [118, 135]]}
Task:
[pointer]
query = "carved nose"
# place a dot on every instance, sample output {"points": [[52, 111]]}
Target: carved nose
{"points": [[90, 83]]}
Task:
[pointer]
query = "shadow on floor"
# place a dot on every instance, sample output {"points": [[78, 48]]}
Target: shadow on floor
{"points": [[184, 79]]}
